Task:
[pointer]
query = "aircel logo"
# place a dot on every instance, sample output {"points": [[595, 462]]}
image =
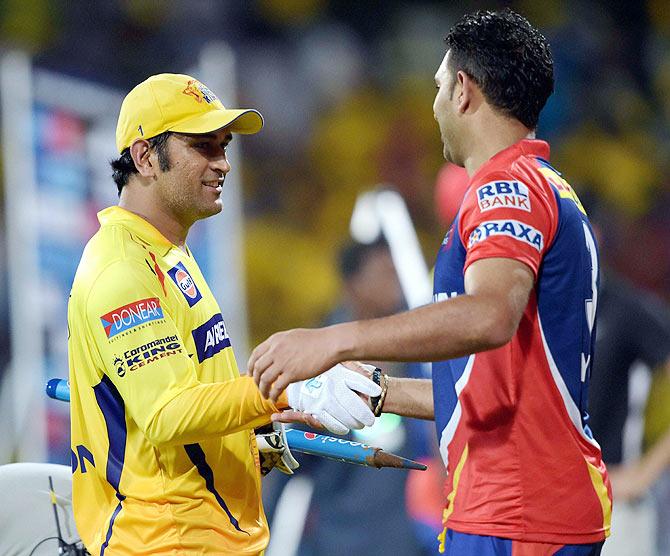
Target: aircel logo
{"points": [[131, 315], [185, 283], [510, 228], [499, 194], [210, 338]]}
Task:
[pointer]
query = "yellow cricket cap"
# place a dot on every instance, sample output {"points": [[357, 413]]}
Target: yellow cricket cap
{"points": [[176, 102]]}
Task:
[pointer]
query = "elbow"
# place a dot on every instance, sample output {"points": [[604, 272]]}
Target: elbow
{"points": [[155, 436], [499, 328], [156, 433]]}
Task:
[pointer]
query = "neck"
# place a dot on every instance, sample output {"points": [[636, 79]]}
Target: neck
{"points": [[154, 213], [492, 135]]}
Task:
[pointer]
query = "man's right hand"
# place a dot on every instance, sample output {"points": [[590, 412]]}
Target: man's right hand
{"points": [[333, 399]]}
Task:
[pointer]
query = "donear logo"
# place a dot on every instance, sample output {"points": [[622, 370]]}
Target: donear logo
{"points": [[129, 316]]}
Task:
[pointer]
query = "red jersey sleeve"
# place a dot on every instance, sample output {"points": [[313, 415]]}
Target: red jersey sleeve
{"points": [[508, 217]]}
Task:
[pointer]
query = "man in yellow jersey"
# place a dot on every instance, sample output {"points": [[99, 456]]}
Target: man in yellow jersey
{"points": [[163, 449]]}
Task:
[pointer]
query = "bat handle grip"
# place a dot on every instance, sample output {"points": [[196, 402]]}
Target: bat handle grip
{"points": [[58, 389]]}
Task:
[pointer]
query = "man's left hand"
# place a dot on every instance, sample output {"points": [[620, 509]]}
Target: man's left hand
{"points": [[274, 451]]}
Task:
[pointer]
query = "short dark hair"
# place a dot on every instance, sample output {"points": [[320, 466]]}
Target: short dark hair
{"points": [[124, 167], [353, 255], [509, 60]]}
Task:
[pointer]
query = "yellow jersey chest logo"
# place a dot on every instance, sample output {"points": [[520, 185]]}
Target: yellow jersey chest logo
{"points": [[185, 284]]}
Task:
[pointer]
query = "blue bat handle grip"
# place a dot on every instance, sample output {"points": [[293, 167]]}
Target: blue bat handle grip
{"points": [[58, 389]]}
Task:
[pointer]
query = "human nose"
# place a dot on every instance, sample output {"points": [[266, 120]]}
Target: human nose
{"points": [[220, 164]]}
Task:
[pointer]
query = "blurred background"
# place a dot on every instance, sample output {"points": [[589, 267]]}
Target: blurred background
{"points": [[346, 89]]}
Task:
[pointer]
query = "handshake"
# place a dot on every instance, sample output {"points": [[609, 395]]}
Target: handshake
{"points": [[334, 399]]}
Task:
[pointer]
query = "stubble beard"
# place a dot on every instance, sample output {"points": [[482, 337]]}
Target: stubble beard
{"points": [[449, 151], [188, 209]]}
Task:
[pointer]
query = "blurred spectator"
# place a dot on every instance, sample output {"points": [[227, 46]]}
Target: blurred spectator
{"points": [[656, 462], [358, 510], [632, 327]]}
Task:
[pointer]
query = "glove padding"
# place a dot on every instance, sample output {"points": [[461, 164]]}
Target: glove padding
{"points": [[274, 451], [332, 399]]}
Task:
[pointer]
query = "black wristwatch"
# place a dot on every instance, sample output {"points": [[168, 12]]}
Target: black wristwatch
{"points": [[377, 379]]}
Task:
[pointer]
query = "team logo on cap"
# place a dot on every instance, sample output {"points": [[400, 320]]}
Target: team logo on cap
{"points": [[185, 283], [199, 92]]}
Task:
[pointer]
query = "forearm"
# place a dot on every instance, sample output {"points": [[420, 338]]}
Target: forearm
{"points": [[453, 328], [410, 397], [656, 459], [208, 410]]}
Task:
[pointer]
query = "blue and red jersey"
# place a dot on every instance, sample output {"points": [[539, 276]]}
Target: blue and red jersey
{"points": [[512, 422]]}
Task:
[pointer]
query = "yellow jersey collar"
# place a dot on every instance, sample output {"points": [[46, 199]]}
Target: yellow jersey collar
{"points": [[135, 223]]}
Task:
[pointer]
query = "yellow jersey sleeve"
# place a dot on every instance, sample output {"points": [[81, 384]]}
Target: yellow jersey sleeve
{"points": [[141, 350]]}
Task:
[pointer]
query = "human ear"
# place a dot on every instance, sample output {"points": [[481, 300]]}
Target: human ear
{"points": [[140, 152], [470, 96]]}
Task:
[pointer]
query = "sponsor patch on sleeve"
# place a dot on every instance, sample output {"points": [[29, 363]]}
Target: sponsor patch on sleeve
{"points": [[185, 283], [510, 228], [132, 315], [210, 338], [503, 194], [145, 354]]}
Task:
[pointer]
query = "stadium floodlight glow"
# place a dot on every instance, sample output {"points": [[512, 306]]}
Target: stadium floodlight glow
{"points": [[365, 226], [383, 211]]}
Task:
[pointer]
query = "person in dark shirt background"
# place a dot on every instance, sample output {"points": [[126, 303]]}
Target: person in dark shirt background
{"points": [[633, 326], [357, 510]]}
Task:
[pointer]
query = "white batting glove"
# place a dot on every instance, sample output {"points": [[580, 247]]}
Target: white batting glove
{"points": [[332, 399]]}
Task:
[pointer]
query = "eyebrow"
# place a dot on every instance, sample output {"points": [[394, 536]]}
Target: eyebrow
{"points": [[227, 139]]}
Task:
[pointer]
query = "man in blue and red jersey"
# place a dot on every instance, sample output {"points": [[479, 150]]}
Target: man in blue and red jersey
{"points": [[512, 326]]}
